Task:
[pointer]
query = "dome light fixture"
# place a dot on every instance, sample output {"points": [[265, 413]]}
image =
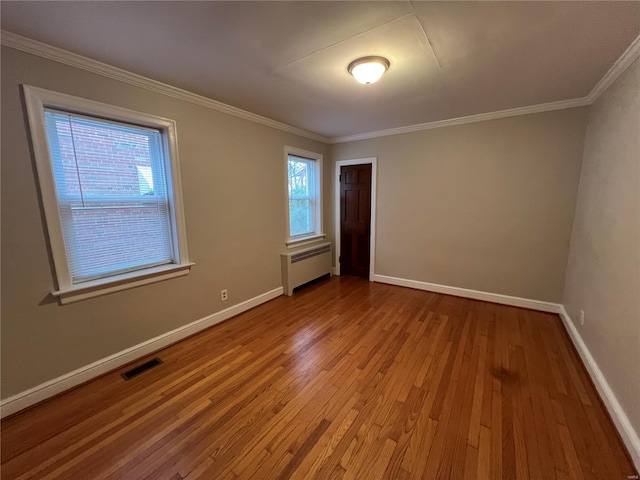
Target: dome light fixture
{"points": [[368, 70]]}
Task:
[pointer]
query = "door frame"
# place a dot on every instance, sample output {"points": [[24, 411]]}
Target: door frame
{"points": [[372, 237]]}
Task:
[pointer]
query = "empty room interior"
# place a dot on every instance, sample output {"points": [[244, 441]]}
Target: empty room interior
{"points": [[320, 240]]}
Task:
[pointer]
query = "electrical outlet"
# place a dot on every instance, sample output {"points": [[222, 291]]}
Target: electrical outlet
{"points": [[224, 295], [581, 317]]}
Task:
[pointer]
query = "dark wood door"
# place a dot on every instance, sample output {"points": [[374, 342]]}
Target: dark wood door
{"points": [[355, 220]]}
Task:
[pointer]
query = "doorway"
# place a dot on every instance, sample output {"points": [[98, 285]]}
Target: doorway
{"points": [[355, 217]]}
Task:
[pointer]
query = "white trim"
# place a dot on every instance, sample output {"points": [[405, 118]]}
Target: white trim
{"points": [[34, 47], [473, 294], [623, 425], [69, 380], [625, 60], [481, 117], [35, 105], [374, 189], [619, 417], [318, 232], [40, 49], [305, 241], [620, 65], [36, 100], [116, 283]]}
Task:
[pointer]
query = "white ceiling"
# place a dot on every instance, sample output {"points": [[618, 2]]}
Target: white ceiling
{"points": [[287, 60]]}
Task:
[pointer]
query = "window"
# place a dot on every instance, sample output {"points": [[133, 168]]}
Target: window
{"points": [[110, 185], [303, 195]]}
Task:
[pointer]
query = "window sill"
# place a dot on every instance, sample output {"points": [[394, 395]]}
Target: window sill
{"points": [[117, 283], [299, 242]]}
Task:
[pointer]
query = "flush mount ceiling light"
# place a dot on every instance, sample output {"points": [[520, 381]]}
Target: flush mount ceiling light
{"points": [[368, 70]]}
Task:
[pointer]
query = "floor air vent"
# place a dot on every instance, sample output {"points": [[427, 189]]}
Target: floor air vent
{"points": [[134, 372]]}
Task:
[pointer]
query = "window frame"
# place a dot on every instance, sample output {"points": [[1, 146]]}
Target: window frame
{"points": [[36, 100], [318, 232]]}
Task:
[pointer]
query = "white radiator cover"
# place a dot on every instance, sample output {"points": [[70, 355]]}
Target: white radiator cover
{"points": [[302, 266]]}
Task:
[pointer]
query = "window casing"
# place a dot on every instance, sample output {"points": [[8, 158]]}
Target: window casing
{"points": [[304, 196], [110, 184]]}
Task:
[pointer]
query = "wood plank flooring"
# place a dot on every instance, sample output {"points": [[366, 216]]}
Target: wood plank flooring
{"points": [[345, 380]]}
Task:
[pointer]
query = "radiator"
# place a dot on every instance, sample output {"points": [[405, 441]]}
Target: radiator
{"points": [[302, 266]]}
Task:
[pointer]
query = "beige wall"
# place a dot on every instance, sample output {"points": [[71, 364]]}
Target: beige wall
{"points": [[233, 182], [603, 273], [486, 206]]}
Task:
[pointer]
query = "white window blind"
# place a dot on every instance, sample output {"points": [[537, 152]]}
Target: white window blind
{"points": [[303, 196], [112, 193]]}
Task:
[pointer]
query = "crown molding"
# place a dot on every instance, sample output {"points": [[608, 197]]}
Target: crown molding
{"points": [[621, 64], [34, 47], [625, 60], [481, 117], [40, 49]]}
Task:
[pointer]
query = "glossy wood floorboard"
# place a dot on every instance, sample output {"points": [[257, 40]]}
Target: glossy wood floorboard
{"points": [[345, 380]]}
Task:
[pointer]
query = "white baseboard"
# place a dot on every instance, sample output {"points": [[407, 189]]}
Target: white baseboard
{"points": [[69, 380], [619, 417], [474, 294]]}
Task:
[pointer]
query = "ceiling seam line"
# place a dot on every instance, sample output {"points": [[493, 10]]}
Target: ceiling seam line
{"points": [[424, 32], [34, 47], [75, 60], [347, 39]]}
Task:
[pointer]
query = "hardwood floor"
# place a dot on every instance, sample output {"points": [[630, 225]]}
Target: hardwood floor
{"points": [[346, 379]]}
